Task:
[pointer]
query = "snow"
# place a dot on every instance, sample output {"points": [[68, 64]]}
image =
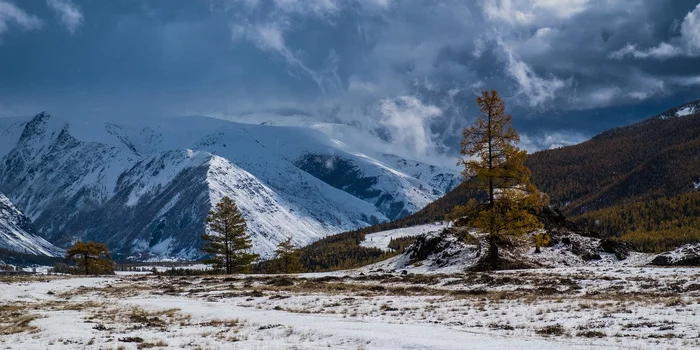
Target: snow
{"points": [[381, 239], [14, 235], [688, 110], [682, 111], [624, 307]]}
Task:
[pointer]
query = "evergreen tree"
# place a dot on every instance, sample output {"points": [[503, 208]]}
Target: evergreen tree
{"points": [[91, 258], [226, 241], [288, 257], [493, 159]]}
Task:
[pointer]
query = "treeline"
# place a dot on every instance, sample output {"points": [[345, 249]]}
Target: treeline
{"points": [[338, 252], [22, 259], [652, 225]]}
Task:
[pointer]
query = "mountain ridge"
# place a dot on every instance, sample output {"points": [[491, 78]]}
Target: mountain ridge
{"points": [[655, 157]]}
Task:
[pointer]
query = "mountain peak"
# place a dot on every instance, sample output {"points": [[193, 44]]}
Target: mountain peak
{"points": [[43, 126]]}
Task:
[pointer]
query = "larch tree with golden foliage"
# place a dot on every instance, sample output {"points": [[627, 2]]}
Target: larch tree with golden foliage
{"points": [[226, 242], [91, 258], [492, 158]]}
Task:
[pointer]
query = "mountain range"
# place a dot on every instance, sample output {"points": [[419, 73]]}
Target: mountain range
{"points": [[146, 190]]}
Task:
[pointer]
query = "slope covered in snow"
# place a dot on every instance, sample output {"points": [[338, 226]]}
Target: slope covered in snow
{"points": [[682, 110], [146, 190], [16, 232], [381, 239]]}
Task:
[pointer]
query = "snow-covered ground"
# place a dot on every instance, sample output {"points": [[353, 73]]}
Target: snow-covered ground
{"points": [[381, 239], [567, 308]]}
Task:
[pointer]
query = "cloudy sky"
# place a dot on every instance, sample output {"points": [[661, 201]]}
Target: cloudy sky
{"points": [[408, 70]]}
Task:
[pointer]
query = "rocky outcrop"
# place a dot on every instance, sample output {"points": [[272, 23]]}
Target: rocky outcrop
{"points": [[687, 255]]}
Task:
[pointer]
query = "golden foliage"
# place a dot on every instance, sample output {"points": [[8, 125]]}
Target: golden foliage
{"points": [[653, 226], [91, 258], [493, 159]]}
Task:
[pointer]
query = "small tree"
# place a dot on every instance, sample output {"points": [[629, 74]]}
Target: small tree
{"points": [[226, 241], [498, 166], [91, 258], [288, 257]]}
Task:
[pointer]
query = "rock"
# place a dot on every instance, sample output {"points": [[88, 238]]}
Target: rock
{"points": [[687, 255], [620, 249]]}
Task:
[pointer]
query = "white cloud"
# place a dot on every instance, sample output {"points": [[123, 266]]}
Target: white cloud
{"points": [[409, 120], [355, 84], [639, 88], [11, 15], [316, 7], [686, 81], [522, 12], [550, 140], [536, 89], [270, 37], [686, 44], [68, 14]]}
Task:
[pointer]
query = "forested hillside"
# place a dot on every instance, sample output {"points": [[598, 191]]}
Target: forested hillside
{"points": [[639, 183], [653, 226], [654, 158]]}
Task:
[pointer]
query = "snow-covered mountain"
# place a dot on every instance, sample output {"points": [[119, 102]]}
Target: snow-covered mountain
{"points": [[17, 233], [146, 190]]}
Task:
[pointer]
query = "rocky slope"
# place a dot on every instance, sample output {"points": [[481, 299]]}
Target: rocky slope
{"points": [[146, 190]]}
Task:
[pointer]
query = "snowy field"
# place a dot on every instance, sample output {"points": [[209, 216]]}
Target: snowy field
{"points": [[381, 239], [566, 308]]}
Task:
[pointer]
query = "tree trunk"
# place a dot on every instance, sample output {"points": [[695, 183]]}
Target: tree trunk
{"points": [[493, 251], [85, 261], [227, 254], [490, 159]]}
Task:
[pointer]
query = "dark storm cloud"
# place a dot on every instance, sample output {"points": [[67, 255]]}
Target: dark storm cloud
{"points": [[409, 70]]}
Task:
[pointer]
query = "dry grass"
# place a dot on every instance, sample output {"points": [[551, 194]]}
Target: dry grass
{"points": [[18, 324], [15, 319]]}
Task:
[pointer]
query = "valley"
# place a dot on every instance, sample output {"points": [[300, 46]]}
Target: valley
{"points": [[349, 174]]}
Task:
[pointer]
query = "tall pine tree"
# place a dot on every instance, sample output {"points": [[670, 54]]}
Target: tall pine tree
{"points": [[492, 157], [226, 242]]}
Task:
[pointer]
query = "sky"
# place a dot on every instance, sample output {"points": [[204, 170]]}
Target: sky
{"points": [[407, 71]]}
